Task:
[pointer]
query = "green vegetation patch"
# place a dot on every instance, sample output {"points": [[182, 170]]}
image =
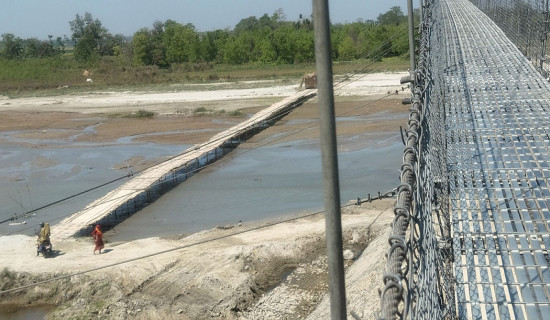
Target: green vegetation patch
{"points": [[269, 47], [140, 114]]}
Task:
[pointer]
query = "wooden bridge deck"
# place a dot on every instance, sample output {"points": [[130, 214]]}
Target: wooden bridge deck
{"points": [[134, 194]]}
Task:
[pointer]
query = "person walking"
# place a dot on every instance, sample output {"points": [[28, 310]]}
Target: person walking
{"points": [[98, 238]]}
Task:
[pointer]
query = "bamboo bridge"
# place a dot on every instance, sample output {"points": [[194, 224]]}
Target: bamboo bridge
{"points": [[150, 184]]}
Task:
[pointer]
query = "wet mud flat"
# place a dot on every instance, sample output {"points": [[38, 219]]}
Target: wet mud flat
{"points": [[281, 162]]}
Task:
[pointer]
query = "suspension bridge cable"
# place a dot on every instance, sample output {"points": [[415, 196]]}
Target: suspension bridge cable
{"points": [[64, 199]]}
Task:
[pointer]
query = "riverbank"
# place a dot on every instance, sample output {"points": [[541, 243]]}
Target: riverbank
{"points": [[235, 272], [250, 271]]}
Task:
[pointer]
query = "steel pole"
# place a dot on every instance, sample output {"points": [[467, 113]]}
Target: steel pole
{"points": [[329, 156], [411, 41], [421, 6]]}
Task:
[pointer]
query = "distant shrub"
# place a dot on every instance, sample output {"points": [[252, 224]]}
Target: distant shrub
{"points": [[201, 111], [141, 114], [144, 114], [235, 113]]}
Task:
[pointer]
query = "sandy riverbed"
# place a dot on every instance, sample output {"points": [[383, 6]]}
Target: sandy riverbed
{"points": [[273, 272]]}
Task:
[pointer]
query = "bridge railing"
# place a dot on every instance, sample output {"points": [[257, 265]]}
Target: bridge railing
{"points": [[418, 283], [526, 23]]}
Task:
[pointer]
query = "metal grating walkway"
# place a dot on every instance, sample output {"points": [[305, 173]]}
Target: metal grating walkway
{"points": [[497, 133]]}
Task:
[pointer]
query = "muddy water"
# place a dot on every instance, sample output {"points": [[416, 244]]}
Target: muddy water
{"points": [[13, 312], [34, 177], [273, 181], [270, 182]]}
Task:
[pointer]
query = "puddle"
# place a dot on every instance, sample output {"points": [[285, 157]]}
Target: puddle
{"points": [[16, 312]]}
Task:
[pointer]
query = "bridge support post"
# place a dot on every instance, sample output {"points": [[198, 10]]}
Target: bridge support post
{"points": [[412, 56], [333, 223]]}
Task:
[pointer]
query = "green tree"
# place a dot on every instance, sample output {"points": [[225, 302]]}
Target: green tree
{"points": [[381, 44], [347, 49], [12, 46], [394, 16], [247, 24], [363, 45], [211, 45], [181, 42], [284, 44], [262, 48], [266, 52], [120, 45], [148, 46], [32, 47], [90, 37], [237, 49], [141, 44], [265, 21], [158, 49], [304, 45]]}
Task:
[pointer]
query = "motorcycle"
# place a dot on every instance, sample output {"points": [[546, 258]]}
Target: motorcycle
{"points": [[45, 248]]}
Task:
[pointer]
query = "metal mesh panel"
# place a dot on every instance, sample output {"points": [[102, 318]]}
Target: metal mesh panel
{"points": [[497, 122], [526, 23], [472, 205]]}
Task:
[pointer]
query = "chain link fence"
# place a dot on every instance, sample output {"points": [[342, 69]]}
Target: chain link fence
{"points": [[473, 88], [418, 283], [526, 23]]}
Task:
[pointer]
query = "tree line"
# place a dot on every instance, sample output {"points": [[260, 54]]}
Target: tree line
{"points": [[269, 39]]}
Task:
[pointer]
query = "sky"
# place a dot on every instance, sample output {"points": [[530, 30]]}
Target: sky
{"points": [[40, 18]]}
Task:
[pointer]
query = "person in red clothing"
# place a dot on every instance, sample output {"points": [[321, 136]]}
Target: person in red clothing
{"points": [[98, 238]]}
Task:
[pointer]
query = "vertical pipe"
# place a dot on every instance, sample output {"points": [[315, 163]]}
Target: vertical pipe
{"points": [[421, 7], [333, 223], [412, 57], [544, 37]]}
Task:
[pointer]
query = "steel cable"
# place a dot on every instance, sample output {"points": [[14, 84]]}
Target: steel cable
{"points": [[417, 282]]}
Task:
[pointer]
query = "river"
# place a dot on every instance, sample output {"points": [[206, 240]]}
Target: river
{"points": [[273, 181]]}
